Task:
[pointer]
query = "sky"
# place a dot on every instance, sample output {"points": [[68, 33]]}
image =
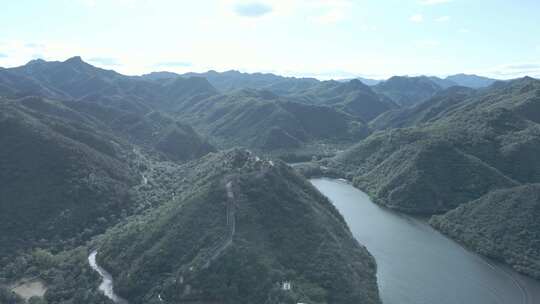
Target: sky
{"points": [[305, 38]]}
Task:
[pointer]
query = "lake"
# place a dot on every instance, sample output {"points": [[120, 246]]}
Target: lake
{"points": [[418, 265]]}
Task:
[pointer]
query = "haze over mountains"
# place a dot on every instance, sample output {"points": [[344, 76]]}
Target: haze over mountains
{"points": [[177, 180]]}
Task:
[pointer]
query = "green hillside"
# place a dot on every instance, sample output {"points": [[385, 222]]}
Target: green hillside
{"points": [[241, 227], [60, 181], [408, 91], [352, 97], [503, 224], [431, 110], [485, 143], [264, 121], [269, 113]]}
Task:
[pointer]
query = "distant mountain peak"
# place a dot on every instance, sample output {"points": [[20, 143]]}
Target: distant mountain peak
{"points": [[471, 80], [369, 81], [160, 75], [36, 61], [74, 60], [526, 83], [230, 72], [408, 90], [356, 82], [355, 85]]}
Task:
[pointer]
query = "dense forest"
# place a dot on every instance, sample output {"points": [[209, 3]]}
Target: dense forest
{"points": [[129, 166], [453, 153], [178, 181]]}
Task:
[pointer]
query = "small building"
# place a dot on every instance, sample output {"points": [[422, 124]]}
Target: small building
{"points": [[286, 286]]}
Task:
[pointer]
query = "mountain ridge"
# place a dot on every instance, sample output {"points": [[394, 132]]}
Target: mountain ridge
{"points": [[242, 181]]}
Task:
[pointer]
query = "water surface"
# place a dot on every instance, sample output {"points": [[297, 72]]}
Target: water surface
{"points": [[417, 264], [106, 285]]}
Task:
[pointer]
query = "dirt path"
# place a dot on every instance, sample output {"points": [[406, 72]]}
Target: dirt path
{"points": [[28, 288]]}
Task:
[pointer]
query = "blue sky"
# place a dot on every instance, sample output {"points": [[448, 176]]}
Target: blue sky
{"points": [[318, 38]]}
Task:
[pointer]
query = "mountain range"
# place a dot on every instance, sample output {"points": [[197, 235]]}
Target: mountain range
{"points": [[175, 181], [466, 80], [96, 159], [461, 151]]}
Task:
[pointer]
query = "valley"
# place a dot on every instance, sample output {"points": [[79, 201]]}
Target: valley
{"points": [[176, 186], [416, 264]]}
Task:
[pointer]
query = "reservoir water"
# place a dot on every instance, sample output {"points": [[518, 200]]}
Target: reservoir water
{"points": [[418, 265]]}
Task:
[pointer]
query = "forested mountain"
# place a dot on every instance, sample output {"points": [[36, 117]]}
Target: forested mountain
{"points": [[472, 154], [234, 230], [61, 180], [234, 80], [443, 83], [75, 79], [369, 81], [502, 224], [264, 121], [130, 166], [269, 152], [240, 228], [408, 91], [456, 151], [431, 110], [86, 149], [158, 76], [352, 97], [471, 80], [152, 110]]}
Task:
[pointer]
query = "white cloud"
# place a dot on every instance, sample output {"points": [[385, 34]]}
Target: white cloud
{"points": [[515, 70], [433, 2], [289, 7], [320, 11], [252, 9], [418, 18], [105, 61], [443, 19], [464, 30]]}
